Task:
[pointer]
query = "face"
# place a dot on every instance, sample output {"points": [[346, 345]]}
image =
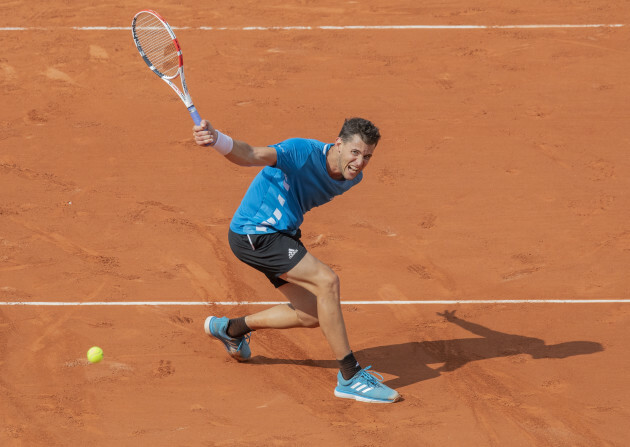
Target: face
{"points": [[353, 157]]}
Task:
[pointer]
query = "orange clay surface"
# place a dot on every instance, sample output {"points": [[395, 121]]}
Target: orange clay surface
{"points": [[503, 174]]}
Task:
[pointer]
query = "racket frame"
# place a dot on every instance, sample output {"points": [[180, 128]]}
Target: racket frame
{"points": [[183, 93]]}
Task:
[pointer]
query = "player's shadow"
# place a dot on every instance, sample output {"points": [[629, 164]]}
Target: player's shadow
{"points": [[417, 361]]}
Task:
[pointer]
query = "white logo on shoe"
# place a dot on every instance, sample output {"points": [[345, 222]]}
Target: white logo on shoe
{"points": [[292, 252], [360, 387]]}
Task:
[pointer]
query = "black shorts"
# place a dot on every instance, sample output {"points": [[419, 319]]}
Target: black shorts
{"points": [[273, 254]]}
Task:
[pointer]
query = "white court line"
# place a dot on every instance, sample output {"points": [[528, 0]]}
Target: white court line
{"points": [[331, 27], [272, 303]]}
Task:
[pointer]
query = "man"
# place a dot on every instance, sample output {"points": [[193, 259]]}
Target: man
{"points": [[299, 174]]}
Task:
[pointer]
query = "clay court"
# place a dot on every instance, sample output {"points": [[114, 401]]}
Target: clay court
{"points": [[499, 191]]}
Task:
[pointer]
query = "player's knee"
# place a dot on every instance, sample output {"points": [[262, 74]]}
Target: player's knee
{"points": [[329, 283], [329, 288]]}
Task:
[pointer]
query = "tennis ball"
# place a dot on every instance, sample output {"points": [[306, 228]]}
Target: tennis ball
{"points": [[95, 354]]}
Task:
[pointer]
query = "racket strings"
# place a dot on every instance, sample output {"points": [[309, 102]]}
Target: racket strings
{"points": [[157, 44]]}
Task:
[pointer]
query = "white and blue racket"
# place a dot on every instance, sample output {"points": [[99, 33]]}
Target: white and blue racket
{"points": [[160, 49]]}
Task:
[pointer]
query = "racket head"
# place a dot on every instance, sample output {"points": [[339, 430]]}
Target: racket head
{"points": [[157, 44]]}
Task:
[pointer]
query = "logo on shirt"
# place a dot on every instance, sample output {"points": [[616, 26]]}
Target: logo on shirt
{"points": [[292, 252]]}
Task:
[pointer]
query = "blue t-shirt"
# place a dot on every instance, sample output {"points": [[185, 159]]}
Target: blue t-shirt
{"points": [[279, 196]]}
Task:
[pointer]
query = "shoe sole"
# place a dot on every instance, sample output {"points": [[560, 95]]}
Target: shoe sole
{"points": [[206, 328], [366, 399]]}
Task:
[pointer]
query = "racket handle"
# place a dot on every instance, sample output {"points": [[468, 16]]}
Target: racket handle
{"points": [[195, 115]]}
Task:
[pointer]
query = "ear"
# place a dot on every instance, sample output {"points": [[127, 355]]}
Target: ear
{"points": [[338, 142]]}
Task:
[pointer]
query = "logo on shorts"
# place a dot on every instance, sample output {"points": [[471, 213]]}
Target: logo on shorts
{"points": [[292, 252]]}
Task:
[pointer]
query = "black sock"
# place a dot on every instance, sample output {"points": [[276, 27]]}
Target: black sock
{"points": [[237, 327], [349, 366]]}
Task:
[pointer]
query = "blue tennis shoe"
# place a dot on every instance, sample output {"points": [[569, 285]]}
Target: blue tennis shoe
{"points": [[236, 347], [365, 386]]}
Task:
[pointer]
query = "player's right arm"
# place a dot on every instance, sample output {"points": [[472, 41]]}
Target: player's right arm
{"points": [[242, 153]]}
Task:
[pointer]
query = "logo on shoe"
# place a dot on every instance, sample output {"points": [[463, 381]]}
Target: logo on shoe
{"points": [[362, 387], [292, 252]]}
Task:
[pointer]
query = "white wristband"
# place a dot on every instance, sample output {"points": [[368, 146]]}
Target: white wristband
{"points": [[224, 144]]}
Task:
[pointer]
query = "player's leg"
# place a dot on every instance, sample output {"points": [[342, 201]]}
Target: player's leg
{"points": [[314, 296], [352, 381], [323, 283], [271, 254], [301, 311], [312, 291]]}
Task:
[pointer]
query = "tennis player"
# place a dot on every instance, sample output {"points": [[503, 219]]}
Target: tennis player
{"points": [[298, 175]]}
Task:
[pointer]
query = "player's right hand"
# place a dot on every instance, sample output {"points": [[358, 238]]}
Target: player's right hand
{"points": [[204, 134]]}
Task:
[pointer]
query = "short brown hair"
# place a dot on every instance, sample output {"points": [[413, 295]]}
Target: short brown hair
{"points": [[358, 126]]}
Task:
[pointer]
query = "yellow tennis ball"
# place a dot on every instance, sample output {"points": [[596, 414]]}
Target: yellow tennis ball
{"points": [[95, 354]]}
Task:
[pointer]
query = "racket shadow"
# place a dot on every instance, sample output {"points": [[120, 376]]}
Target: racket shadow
{"points": [[414, 362]]}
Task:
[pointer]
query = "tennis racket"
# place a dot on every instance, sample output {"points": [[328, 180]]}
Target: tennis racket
{"points": [[160, 49]]}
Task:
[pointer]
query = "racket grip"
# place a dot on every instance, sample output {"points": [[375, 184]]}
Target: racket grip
{"points": [[195, 115]]}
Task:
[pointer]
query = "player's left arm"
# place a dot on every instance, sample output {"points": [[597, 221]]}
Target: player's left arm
{"points": [[241, 153]]}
